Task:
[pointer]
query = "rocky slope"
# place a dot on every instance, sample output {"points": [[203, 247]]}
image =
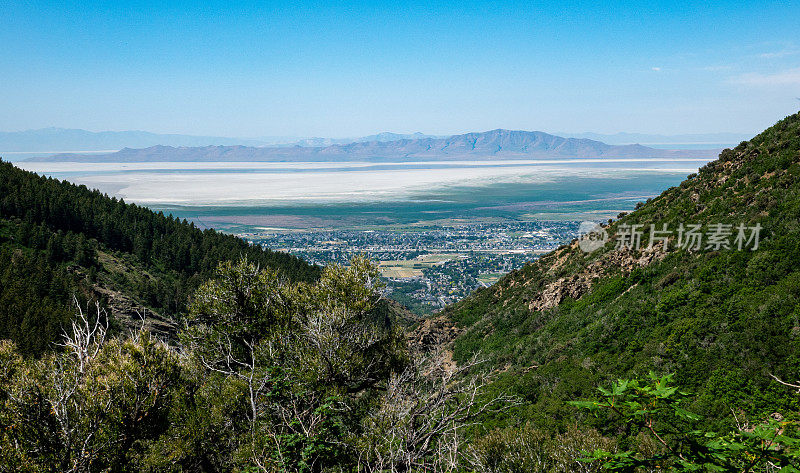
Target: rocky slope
{"points": [[721, 318]]}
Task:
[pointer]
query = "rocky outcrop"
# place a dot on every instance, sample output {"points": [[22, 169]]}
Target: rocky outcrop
{"points": [[129, 313], [578, 284], [432, 334], [134, 316]]}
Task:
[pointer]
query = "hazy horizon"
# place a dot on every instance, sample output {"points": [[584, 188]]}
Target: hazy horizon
{"points": [[378, 132], [329, 70]]}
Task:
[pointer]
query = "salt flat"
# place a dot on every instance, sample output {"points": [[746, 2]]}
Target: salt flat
{"points": [[278, 183]]}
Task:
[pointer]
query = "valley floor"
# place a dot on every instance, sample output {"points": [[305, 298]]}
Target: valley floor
{"points": [[427, 268]]}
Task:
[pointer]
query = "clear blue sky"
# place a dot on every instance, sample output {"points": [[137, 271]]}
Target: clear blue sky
{"points": [[357, 68]]}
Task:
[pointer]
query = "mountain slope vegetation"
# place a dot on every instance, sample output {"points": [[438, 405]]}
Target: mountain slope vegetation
{"points": [[723, 320], [59, 241]]}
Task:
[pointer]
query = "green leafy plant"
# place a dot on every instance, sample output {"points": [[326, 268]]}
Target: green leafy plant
{"points": [[654, 409]]}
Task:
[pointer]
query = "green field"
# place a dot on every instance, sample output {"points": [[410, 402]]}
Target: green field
{"points": [[413, 268]]}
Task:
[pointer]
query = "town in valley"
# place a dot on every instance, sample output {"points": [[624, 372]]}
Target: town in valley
{"points": [[427, 267]]}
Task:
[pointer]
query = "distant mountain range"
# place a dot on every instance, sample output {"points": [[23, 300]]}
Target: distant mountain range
{"points": [[49, 140], [495, 144], [645, 139], [65, 140], [380, 137], [76, 141]]}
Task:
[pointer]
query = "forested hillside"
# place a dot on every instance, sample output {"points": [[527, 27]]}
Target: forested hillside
{"points": [[59, 240], [723, 319]]}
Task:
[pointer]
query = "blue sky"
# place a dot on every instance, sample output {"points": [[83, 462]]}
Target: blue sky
{"points": [[356, 68]]}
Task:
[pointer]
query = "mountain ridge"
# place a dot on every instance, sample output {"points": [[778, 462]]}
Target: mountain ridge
{"points": [[493, 144]]}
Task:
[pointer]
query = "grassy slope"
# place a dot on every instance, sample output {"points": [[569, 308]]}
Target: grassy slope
{"points": [[722, 320]]}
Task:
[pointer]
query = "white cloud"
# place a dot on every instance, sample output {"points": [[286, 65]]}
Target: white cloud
{"points": [[717, 68], [788, 77], [657, 69], [778, 54]]}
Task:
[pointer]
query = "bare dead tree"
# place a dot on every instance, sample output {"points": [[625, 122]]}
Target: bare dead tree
{"points": [[791, 385], [247, 361], [425, 410], [86, 338], [83, 342]]}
